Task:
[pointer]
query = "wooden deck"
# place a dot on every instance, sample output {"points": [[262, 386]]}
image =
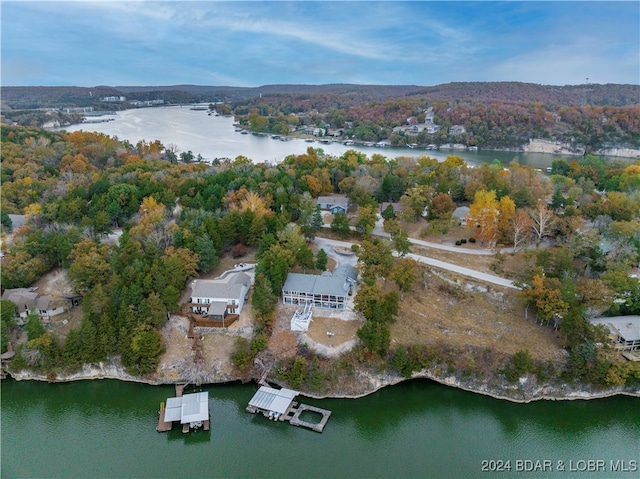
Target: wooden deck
{"points": [[162, 425]]}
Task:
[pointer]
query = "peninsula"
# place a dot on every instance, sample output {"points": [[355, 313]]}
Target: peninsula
{"points": [[332, 276]]}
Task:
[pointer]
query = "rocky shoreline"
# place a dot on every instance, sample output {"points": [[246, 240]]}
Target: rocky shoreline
{"points": [[525, 391]]}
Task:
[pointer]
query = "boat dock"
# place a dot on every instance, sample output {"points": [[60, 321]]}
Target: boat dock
{"points": [[192, 410], [278, 405], [297, 411]]}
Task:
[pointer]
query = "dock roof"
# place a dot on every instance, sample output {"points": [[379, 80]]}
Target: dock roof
{"points": [[188, 408], [270, 399]]}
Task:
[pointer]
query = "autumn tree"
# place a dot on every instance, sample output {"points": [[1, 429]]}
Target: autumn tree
{"points": [[546, 295], [89, 265], [483, 217], [441, 207], [403, 273], [367, 217], [375, 258], [506, 211]]}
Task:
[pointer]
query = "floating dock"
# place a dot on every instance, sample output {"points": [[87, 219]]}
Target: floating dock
{"points": [[278, 405], [319, 426]]}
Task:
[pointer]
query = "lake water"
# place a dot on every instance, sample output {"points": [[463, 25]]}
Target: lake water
{"points": [[418, 429], [215, 137]]}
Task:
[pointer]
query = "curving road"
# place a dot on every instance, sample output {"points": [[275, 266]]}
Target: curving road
{"points": [[328, 244]]}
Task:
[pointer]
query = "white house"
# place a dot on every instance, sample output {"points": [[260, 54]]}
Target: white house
{"points": [[215, 298], [327, 291], [27, 301], [461, 213], [457, 130], [624, 331]]}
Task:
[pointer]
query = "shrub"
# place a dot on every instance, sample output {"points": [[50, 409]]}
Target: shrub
{"points": [[238, 251]]}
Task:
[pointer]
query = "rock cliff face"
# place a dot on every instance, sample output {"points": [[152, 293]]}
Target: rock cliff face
{"points": [[559, 148], [367, 382]]}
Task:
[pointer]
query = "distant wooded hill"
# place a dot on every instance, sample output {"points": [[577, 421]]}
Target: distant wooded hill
{"points": [[354, 95]]}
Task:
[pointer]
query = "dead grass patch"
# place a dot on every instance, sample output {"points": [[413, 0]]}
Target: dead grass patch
{"points": [[341, 330], [439, 312]]}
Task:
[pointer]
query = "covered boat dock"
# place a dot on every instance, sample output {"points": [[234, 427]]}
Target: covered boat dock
{"points": [[191, 410]]}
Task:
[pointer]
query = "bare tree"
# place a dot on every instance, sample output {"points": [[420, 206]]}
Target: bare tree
{"points": [[521, 227], [543, 219]]}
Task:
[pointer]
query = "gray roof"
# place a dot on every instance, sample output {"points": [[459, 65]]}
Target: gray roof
{"points": [[240, 278], [334, 201], [270, 399], [43, 303], [346, 270], [312, 284], [18, 221], [208, 288], [627, 327], [336, 283], [217, 308], [24, 299], [461, 212], [188, 408]]}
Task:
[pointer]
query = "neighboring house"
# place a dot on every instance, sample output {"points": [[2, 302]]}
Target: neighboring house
{"points": [[457, 130], [327, 291], [461, 213], [17, 221], [216, 298], [625, 331], [27, 300], [334, 204], [397, 207], [314, 131]]}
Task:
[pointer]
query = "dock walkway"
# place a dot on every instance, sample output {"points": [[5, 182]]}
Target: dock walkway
{"points": [[319, 426]]}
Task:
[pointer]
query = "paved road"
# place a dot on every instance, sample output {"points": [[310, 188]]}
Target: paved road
{"points": [[378, 230], [328, 244]]}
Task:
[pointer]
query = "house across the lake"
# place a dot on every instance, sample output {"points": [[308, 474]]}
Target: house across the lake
{"points": [[334, 204], [326, 291]]}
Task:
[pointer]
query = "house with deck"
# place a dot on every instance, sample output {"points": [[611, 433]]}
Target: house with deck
{"points": [[334, 204], [29, 300], [624, 331], [325, 291], [216, 298]]}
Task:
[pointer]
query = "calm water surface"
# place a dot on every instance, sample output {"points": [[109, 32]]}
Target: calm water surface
{"points": [[416, 429], [215, 137]]}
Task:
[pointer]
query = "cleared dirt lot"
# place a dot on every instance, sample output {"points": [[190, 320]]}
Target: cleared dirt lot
{"points": [[438, 311]]}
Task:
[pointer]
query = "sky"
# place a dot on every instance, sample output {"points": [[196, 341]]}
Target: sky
{"points": [[240, 43]]}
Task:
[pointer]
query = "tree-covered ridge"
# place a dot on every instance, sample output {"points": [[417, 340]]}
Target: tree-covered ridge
{"points": [[177, 219], [495, 124], [350, 94]]}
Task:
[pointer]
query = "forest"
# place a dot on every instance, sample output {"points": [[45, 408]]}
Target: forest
{"points": [[178, 219]]}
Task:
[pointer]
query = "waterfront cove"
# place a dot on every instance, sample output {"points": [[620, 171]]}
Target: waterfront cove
{"points": [[418, 428], [212, 137]]}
